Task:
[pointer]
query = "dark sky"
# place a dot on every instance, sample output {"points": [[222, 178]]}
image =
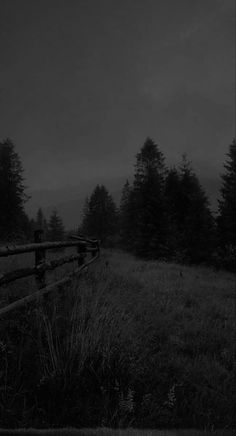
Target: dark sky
{"points": [[84, 82]]}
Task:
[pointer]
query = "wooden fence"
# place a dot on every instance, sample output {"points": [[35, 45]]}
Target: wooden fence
{"points": [[83, 248]]}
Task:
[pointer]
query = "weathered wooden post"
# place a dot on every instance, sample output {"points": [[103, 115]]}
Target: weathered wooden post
{"points": [[39, 259], [81, 250], [95, 246]]}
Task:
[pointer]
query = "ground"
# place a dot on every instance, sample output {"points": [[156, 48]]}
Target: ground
{"points": [[132, 343]]}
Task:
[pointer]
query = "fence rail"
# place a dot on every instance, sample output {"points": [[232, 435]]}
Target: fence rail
{"points": [[84, 246], [19, 249]]}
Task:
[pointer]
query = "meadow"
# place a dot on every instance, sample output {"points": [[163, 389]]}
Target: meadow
{"points": [[115, 432], [132, 343]]}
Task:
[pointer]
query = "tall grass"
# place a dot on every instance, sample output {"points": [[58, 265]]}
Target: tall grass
{"points": [[115, 432], [132, 343]]}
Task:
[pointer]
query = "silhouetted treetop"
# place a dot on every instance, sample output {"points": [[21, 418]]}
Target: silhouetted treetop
{"points": [[12, 191], [100, 214], [227, 203], [56, 230], [149, 161]]}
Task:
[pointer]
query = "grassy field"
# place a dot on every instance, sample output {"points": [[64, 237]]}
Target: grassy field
{"points": [[117, 432], [131, 344]]}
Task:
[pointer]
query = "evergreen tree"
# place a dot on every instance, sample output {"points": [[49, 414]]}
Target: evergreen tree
{"points": [[172, 201], [12, 192], [150, 162], [100, 215], [85, 215], [45, 228], [124, 215], [27, 229], [147, 202], [41, 222], [39, 218], [227, 203], [125, 196], [195, 221], [56, 230], [33, 227]]}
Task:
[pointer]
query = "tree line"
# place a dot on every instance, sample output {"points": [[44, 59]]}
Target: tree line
{"points": [[15, 225], [164, 213]]}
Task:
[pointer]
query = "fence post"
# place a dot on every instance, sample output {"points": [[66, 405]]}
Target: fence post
{"points": [[81, 250], [39, 259], [95, 245]]}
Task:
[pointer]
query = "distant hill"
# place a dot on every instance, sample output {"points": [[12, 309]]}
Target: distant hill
{"points": [[69, 201]]}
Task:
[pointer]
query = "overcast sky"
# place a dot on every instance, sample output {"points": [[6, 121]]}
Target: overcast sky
{"points": [[84, 82]]}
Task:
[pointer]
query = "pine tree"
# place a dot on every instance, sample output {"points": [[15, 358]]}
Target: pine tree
{"points": [[150, 162], [194, 216], [100, 215], [147, 202], [39, 218], [33, 227], [41, 222], [172, 201], [124, 215], [12, 192], [56, 230], [125, 196], [85, 214], [227, 203]]}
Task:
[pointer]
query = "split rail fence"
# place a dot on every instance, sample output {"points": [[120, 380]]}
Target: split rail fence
{"points": [[42, 265]]}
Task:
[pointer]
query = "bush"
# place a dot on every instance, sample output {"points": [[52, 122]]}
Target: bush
{"points": [[225, 258]]}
